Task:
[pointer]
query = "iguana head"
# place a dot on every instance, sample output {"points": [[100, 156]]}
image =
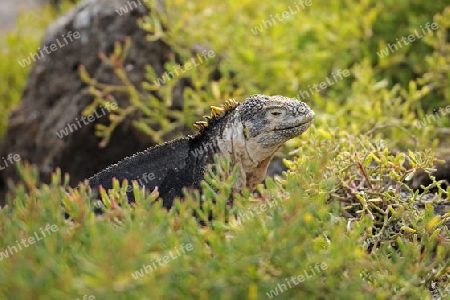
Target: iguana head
{"points": [[269, 121], [256, 129]]}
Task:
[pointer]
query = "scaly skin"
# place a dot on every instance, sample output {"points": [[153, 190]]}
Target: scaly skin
{"points": [[249, 132]]}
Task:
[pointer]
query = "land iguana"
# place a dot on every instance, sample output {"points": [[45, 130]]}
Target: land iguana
{"points": [[249, 132]]}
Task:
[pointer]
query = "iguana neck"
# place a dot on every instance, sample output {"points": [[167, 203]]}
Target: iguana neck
{"points": [[230, 139]]}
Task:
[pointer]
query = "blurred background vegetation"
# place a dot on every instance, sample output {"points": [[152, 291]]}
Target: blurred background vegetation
{"points": [[291, 56], [388, 94], [16, 44], [382, 98]]}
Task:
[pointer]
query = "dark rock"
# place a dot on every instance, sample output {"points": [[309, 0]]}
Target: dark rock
{"points": [[442, 174], [55, 95]]}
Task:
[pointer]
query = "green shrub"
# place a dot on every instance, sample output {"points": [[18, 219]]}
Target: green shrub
{"points": [[290, 57], [344, 203], [247, 250]]}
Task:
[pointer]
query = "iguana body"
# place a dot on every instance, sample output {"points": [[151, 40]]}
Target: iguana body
{"points": [[250, 132]]}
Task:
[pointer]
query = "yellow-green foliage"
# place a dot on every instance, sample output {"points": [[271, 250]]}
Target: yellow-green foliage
{"points": [[247, 250], [387, 95], [308, 46], [340, 204]]}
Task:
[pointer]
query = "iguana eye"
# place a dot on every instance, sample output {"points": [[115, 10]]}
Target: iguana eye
{"points": [[301, 109], [275, 113]]}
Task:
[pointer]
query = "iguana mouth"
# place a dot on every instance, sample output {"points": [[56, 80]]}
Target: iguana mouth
{"points": [[295, 126]]}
